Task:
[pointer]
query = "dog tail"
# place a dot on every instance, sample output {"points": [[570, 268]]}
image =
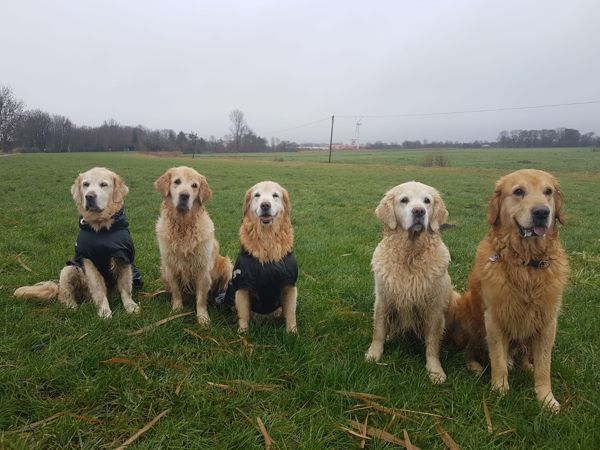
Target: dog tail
{"points": [[454, 324], [46, 290], [221, 273]]}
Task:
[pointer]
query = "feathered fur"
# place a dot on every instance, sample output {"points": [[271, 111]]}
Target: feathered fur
{"points": [[511, 305]]}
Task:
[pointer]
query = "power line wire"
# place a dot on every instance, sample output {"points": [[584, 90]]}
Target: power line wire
{"points": [[467, 111]]}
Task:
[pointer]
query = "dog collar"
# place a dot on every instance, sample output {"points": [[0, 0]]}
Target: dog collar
{"points": [[536, 264]]}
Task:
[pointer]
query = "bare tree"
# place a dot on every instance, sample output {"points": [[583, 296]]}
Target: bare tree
{"points": [[238, 128], [10, 113]]}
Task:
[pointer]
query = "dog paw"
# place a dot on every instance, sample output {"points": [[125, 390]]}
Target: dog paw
{"points": [[292, 329], [104, 313], [242, 329], [475, 367], [373, 354], [132, 308], [203, 319], [438, 377], [177, 308], [500, 387], [551, 404]]}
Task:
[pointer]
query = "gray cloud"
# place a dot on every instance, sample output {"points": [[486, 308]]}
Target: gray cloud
{"points": [[185, 65]]}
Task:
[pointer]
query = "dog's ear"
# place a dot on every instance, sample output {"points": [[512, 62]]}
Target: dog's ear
{"points": [[439, 215], [494, 204], [163, 183], [385, 212], [286, 201], [204, 191], [247, 201], [558, 204], [76, 191], [120, 189]]}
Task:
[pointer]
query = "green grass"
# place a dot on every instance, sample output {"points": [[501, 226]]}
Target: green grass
{"points": [[51, 359]]}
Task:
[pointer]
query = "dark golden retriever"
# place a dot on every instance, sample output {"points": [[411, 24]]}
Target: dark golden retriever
{"points": [[517, 282]]}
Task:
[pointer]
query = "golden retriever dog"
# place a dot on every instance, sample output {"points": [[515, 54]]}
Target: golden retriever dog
{"points": [[104, 252], [410, 266], [190, 262], [517, 282], [265, 272]]}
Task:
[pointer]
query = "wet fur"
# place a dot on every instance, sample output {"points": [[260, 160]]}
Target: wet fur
{"points": [[412, 285], [267, 244], [189, 252], [76, 285], [510, 309]]}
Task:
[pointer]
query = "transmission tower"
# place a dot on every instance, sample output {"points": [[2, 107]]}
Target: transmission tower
{"points": [[356, 140]]}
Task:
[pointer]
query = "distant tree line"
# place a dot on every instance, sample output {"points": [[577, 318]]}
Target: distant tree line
{"points": [[560, 137], [38, 131]]}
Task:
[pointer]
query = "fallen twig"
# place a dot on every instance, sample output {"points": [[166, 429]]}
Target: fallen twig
{"points": [[160, 322], [40, 423], [450, 443], [263, 430], [383, 435], [360, 395], [129, 362], [22, 264], [409, 445], [202, 338], [147, 295], [488, 419], [143, 430]]}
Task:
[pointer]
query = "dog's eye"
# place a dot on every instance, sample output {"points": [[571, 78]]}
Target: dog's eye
{"points": [[404, 200], [548, 191], [275, 195], [177, 181], [519, 192], [194, 185], [86, 184], [427, 200], [103, 184], [256, 194]]}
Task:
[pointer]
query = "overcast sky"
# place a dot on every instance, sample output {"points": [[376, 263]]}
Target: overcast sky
{"points": [[185, 65]]}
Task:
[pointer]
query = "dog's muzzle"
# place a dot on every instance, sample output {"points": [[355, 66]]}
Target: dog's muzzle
{"points": [[265, 216], [90, 203], [183, 202], [539, 219]]}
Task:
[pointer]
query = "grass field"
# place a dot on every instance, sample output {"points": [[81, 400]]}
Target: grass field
{"points": [[54, 363]]}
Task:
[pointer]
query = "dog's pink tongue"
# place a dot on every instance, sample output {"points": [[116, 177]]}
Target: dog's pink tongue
{"points": [[540, 231]]}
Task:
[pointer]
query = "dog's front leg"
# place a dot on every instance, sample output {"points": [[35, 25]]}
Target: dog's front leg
{"points": [[434, 329], [97, 288], [242, 306], [70, 278], [124, 275], [173, 285], [498, 348], [379, 327], [289, 295], [542, 354], [202, 288]]}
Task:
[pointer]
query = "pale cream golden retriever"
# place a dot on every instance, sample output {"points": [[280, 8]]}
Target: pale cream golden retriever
{"points": [[410, 266], [517, 282], [189, 253], [265, 272], [104, 251]]}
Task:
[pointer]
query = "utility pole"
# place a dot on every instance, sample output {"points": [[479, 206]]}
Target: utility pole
{"points": [[331, 137]]}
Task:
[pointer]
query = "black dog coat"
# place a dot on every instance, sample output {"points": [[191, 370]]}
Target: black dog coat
{"points": [[263, 281], [103, 245]]}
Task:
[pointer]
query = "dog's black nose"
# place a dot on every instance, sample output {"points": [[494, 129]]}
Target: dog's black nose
{"points": [[418, 212], [265, 206], [184, 196], [90, 196], [540, 212]]}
